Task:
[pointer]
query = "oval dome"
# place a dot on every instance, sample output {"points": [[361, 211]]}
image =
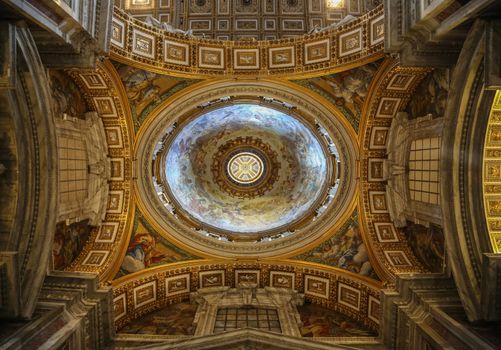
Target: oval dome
{"points": [[245, 168]]}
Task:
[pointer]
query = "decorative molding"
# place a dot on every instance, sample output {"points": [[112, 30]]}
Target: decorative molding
{"points": [[107, 243], [157, 50], [29, 179], [492, 174], [281, 302], [420, 310], [390, 90], [339, 290]]}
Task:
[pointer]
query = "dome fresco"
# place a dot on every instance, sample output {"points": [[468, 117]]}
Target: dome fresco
{"points": [[245, 168]]}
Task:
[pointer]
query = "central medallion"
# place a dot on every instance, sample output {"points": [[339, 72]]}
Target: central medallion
{"points": [[245, 168]]}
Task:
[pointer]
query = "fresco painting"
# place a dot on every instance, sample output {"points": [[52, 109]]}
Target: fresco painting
{"points": [[345, 249], [321, 322], [430, 96], [346, 90], [147, 248], [176, 319], [66, 95], [302, 171], [146, 90], [69, 242], [428, 245]]}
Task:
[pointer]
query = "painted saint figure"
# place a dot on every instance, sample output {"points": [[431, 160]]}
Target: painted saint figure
{"points": [[141, 253]]}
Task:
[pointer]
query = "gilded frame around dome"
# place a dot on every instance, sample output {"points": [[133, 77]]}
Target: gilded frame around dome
{"points": [[304, 104]]}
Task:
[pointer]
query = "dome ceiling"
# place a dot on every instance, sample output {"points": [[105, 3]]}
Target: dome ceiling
{"points": [[245, 168]]}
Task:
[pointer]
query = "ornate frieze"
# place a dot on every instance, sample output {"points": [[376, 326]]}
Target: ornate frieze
{"points": [[136, 43], [387, 245], [102, 90], [347, 293]]}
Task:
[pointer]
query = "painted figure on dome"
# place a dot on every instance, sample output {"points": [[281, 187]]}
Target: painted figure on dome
{"points": [[345, 250], [141, 253], [148, 249]]}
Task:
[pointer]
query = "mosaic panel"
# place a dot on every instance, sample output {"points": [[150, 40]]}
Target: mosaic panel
{"points": [[374, 309], [316, 286], [246, 277], [115, 202], [145, 294], [376, 169], [95, 258], [177, 285], [377, 200], [118, 33], [114, 136], [281, 57], [282, 279], [318, 51], [348, 296], [117, 169], [397, 258], [176, 53], [350, 42], [379, 137], [119, 306], [246, 58], [107, 232], [105, 106], [143, 44], [385, 232], [388, 107], [209, 57], [377, 30], [209, 279]]}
